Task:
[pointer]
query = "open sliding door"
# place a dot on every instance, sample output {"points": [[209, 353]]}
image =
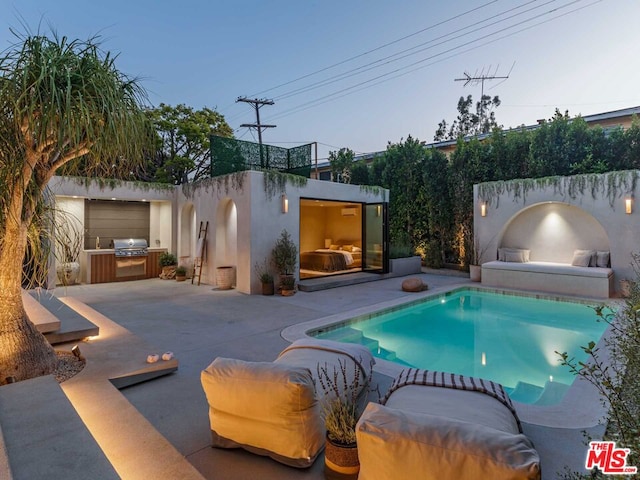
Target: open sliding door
{"points": [[375, 233]]}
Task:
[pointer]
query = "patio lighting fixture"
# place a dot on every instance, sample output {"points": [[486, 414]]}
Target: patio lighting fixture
{"points": [[483, 209], [285, 204], [628, 205], [378, 210]]}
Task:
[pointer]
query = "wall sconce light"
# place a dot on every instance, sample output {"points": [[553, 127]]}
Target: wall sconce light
{"points": [[378, 210], [483, 209], [628, 205], [285, 204]]}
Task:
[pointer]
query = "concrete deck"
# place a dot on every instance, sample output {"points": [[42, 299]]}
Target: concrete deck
{"points": [[160, 429]]}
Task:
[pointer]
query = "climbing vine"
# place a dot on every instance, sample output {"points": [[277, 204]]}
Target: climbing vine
{"points": [[113, 183], [276, 182], [610, 185], [226, 183]]}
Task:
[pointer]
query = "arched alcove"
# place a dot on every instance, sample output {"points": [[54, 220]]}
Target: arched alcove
{"points": [[553, 230], [188, 231], [226, 234]]}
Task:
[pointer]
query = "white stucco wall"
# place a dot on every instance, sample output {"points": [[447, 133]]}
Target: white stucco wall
{"points": [[554, 220], [245, 218], [258, 216]]}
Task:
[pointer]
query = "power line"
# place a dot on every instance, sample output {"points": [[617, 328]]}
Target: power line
{"points": [[349, 90], [377, 48], [399, 55], [257, 104]]}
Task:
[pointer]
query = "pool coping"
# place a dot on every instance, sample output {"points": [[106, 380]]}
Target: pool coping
{"points": [[581, 407]]}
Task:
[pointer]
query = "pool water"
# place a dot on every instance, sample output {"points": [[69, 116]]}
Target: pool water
{"points": [[509, 339]]}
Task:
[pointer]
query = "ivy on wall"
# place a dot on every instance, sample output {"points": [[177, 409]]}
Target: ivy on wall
{"points": [[611, 186]]}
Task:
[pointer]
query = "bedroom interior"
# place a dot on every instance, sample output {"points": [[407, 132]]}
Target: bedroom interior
{"points": [[330, 238]]}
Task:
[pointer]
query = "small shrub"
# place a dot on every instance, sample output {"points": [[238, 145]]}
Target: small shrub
{"points": [[285, 254], [342, 411], [181, 271], [263, 272], [400, 250], [167, 260]]}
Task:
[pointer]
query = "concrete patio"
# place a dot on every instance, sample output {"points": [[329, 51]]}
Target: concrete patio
{"points": [[160, 428]]}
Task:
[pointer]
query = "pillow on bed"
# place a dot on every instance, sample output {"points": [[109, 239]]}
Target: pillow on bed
{"points": [[516, 255], [584, 258], [356, 249], [347, 248], [602, 259], [334, 247]]}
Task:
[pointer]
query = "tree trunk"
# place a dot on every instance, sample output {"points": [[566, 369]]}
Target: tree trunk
{"points": [[24, 352]]}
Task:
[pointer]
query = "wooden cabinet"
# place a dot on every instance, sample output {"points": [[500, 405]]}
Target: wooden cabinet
{"points": [[102, 266]]}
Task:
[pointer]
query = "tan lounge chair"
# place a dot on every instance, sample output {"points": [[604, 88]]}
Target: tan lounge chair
{"points": [[272, 408]]}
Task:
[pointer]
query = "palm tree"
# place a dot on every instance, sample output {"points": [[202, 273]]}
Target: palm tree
{"points": [[63, 105]]}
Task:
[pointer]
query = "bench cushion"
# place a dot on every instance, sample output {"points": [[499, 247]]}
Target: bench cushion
{"points": [[550, 267]]}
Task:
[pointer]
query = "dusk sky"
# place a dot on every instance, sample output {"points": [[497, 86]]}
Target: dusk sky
{"points": [[576, 55]]}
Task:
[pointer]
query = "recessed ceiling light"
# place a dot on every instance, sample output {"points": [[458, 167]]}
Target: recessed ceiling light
{"points": [[113, 198]]}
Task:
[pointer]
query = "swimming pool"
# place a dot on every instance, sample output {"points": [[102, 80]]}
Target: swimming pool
{"points": [[509, 339]]}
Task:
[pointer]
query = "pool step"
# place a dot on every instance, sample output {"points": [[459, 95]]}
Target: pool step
{"points": [[353, 335], [550, 394], [525, 392]]}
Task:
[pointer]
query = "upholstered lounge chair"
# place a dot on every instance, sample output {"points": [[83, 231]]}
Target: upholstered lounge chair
{"points": [[272, 408], [447, 427]]}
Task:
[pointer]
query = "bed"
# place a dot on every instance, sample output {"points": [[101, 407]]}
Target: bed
{"points": [[337, 257]]}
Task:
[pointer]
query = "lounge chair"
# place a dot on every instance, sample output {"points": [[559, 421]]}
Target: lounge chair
{"points": [[271, 408], [446, 427]]}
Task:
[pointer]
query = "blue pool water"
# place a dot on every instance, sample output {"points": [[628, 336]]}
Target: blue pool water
{"points": [[505, 338]]}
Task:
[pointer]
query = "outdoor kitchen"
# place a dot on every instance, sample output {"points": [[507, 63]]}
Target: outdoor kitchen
{"points": [[122, 240]]}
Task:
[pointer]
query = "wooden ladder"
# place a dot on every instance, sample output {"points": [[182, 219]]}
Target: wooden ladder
{"points": [[201, 251]]}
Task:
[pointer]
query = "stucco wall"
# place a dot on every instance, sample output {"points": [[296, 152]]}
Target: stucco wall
{"points": [[245, 218], [555, 218]]}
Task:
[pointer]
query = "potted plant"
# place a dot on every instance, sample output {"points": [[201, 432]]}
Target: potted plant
{"points": [[287, 285], [181, 273], [341, 407], [168, 262], [285, 258], [265, 276], [68, 247]]}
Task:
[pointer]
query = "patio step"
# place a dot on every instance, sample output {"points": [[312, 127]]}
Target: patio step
{"points": [[325, 283], [71, 326]]}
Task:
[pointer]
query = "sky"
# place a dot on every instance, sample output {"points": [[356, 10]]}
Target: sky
{"points": [[358, 73]]}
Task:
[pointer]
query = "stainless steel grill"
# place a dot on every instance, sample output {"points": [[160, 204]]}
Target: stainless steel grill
{"points": [[130, 247]]}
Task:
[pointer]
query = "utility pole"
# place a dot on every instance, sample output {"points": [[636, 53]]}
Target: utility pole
{"points": [[481, 78], [257, 103]]}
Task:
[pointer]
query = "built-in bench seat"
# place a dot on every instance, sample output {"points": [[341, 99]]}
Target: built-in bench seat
{"points": [[560, 278]]}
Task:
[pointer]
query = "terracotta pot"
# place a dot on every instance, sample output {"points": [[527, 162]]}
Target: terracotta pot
{"points": [[342, 459], [267, 288], [181, 278]]}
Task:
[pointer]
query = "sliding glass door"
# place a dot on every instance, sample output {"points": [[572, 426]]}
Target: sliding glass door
{"points": [[375, 238]]}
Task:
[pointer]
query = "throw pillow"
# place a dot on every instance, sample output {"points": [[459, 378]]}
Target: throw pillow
{"points": [[602, 259], [582, 258]]}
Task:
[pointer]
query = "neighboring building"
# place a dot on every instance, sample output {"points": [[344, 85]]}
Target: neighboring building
{"points": [[608, 120], [245, 212]]}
